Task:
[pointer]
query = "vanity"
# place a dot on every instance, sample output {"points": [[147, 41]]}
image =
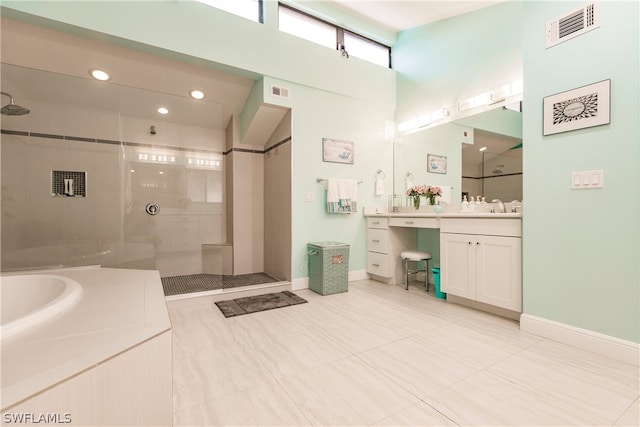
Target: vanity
{"points": [[480, 255]]}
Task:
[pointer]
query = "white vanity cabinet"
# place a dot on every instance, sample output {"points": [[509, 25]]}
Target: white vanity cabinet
{"points": [[378, 247], [482, 260]]}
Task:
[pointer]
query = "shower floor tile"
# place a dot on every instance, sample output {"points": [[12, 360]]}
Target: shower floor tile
{"points": [[177, 285]]}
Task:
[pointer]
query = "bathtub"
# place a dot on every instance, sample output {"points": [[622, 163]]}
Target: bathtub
{"points": [[74, 335], [32, 299]]}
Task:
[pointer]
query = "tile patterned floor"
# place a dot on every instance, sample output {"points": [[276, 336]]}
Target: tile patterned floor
{"points": [[380, 355]]}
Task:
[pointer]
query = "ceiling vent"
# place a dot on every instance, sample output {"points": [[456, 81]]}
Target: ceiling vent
{"points": [[280, 92], [573, 24]]}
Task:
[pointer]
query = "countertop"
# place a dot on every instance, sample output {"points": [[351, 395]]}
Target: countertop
{"points": [[444, 215]]}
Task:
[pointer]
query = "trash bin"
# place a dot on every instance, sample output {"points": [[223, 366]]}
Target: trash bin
{"points": [[436, 278], [328, 267]]}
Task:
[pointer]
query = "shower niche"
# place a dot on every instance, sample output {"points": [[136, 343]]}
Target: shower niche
{"points": [[68, 184]]}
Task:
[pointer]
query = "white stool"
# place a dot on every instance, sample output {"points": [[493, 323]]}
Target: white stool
{"points": [[416, 256]]}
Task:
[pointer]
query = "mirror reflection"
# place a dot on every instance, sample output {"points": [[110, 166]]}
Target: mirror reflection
{"points": [[483, 156], [496, 171]]}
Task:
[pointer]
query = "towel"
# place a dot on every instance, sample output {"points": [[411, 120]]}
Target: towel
{"points": [[408, 182], [379, 186], [342, 195], [446, 195]]}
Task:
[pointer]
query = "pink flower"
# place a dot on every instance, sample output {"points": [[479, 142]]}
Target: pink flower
{"points": [[424, 190]]}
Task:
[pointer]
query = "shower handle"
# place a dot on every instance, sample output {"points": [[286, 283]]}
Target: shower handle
{"points": [[152, 208]]}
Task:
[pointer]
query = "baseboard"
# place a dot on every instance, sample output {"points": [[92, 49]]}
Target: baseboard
{"points": [[303, 282], [299, 284], [358, 275], [605, 345]]}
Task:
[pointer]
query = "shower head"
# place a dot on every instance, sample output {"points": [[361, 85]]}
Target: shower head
{"points": [[497, 170], [11, 109]]}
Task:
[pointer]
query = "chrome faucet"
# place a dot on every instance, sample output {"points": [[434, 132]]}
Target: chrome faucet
{"points": [[500, 205]]}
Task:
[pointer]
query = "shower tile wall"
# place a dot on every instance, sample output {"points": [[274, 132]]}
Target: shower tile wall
{"points": [[108, 227]]}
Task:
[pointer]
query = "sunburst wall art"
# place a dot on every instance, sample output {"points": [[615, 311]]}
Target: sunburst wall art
{"points": [[578, 108]]}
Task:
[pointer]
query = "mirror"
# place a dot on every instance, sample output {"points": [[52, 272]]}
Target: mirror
{"points": [[495, 173]]}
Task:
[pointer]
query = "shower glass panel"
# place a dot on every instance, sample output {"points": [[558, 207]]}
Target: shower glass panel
{"points": [[132, 158]]}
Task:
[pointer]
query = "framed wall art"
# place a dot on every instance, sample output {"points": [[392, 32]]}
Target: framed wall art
{"points": [[436, 164], [578, 108], [337, 151]]}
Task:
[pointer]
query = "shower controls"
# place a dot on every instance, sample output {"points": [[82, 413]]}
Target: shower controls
{"points": [[152, 208]]}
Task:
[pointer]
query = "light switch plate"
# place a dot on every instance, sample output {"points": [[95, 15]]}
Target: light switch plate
{"points": [[587, 179], [309, 197]]}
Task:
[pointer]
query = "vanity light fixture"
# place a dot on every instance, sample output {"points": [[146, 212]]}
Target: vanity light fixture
{"points": [[196, 94], [163, 110], [98, 74]]}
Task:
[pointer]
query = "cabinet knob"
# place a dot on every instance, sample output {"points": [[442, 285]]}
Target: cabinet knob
{"points": [[478, 243], [469, 242]]}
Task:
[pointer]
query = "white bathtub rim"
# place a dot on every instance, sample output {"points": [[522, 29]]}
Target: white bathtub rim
{"points": [[59, 305]]}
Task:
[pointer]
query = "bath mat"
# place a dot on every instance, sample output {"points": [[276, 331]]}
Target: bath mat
{"points": [[247, 305]]}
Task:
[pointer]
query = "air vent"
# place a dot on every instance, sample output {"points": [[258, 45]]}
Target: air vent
{"points": [[573, 24], [280, 92]]}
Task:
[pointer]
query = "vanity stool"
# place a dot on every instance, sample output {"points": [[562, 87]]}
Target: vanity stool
{"points": [[416, 256]]}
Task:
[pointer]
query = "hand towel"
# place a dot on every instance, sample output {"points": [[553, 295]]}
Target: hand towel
{"points": [[408, 183], [379, 186], [446, 195], [342, 195]]}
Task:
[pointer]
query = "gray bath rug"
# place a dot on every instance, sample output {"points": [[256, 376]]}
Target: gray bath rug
{"points": [[246, 305]]}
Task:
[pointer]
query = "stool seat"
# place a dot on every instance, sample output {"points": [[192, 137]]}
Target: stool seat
{"points": [[415, 255]]}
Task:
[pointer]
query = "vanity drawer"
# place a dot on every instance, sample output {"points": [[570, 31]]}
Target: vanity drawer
{"points": [[378, 223], [378, 240], [378, 264], [511, 227], [414, 222]]}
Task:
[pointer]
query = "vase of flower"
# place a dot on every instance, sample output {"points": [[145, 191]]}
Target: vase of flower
{"points": [[431, 193], [416, 202]]}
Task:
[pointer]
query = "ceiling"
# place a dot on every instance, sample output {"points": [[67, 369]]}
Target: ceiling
{"points": [[398, 15]]}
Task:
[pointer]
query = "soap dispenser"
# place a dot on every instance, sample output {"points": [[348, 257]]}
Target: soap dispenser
{"points": [[465, 204]]}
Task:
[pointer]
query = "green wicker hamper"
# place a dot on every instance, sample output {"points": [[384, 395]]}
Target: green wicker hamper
{"points": [[328, 267]]}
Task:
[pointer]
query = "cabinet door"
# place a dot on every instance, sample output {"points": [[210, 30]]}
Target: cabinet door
{"points": [[457, 264], [499, 278]]}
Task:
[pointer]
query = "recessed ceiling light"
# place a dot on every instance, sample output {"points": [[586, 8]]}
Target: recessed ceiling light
{"points": [[163, 110], [99, 74], [482, 148], [196, 94]]}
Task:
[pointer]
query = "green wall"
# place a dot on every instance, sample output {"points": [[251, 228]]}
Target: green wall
{"points": [[580, 247], [447, 61]]}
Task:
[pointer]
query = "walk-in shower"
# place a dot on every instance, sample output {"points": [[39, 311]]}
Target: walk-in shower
{"points": [[12, 109]]}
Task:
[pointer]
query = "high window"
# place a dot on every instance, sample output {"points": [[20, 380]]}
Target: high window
{"points": [[308, 27], [250, 9]]}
